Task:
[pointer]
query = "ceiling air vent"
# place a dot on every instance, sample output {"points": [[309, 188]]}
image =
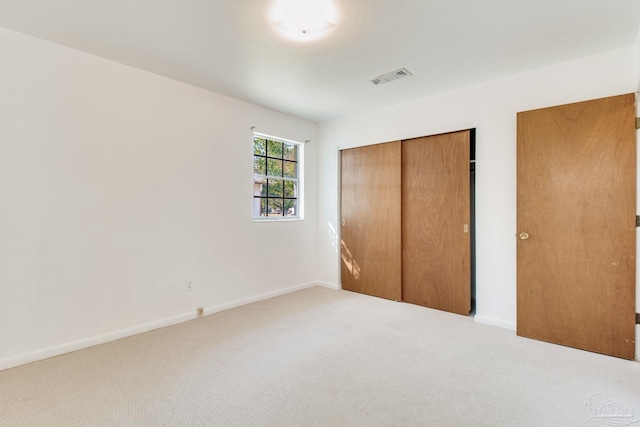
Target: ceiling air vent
{"points": [[394, 75]]}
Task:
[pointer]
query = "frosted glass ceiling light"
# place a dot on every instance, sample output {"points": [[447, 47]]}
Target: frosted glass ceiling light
{"points": [[304, 19]]}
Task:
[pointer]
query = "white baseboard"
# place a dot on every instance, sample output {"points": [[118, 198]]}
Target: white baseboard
{"points": [[90, 342], [486, 320], [333, 286], [261, 297], [638, 343], [112, 336]]}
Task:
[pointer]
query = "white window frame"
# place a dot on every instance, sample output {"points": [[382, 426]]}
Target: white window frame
{"points": [[299, 180]]}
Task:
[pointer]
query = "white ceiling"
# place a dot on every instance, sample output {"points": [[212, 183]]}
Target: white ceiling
{"points": [[229, 46]]}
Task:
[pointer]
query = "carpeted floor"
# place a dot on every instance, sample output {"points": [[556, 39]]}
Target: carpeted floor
{"points": [[321, 357]]}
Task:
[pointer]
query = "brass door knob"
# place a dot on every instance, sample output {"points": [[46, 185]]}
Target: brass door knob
{"points": [[523, 236]]}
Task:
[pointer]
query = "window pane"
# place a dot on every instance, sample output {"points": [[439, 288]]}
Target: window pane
{"points": [[290, 151], [259, 207], [289, 169], [275, 207], [259, 187], [291, 207], [290, 189], [259, 146], [274, 167], [275, 188], [260, 165], [274, 149]]}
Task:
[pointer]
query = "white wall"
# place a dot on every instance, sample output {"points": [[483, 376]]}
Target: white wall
{"points": [[637, 56], [116, 185], [490, 107]]}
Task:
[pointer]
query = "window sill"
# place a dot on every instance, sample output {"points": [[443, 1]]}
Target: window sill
{"points": [[278, 220]]}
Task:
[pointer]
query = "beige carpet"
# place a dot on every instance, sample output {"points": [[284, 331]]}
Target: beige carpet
{"points": [[321, 358]]}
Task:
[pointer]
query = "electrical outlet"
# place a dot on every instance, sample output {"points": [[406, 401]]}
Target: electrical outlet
{"points": [[188, 285], [199, 311]]}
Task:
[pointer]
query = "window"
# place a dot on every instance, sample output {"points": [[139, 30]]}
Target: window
{"points": [[276, 178]]}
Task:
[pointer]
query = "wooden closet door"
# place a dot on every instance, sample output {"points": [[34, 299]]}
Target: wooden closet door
{"points": [[576, 225], [370, 210], [436, 242]]}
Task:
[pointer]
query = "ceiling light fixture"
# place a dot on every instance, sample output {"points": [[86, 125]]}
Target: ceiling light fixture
{"points": [[304, 19]]}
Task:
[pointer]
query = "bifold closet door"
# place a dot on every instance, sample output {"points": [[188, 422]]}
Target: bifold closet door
{"points": [[576, 225], [436, 240], [370, 211]]}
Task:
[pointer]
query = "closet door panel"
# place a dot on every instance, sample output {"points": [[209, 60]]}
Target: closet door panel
{"points": [[370, 210], [436, 222]]}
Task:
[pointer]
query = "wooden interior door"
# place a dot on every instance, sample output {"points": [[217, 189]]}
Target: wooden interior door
{"points": [[370, 210], [576, 225], [436, 213]]}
